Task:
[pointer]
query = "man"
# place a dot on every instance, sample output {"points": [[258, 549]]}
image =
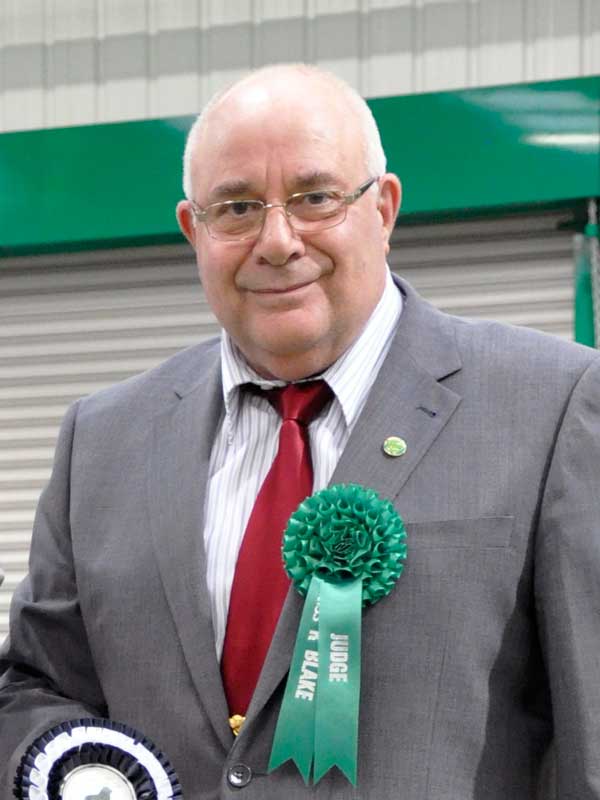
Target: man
{"points": [[485, 654]]}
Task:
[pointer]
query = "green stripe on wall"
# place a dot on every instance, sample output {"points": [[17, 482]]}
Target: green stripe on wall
{"points": [[103, 185], [585, 263], [584, 310]]}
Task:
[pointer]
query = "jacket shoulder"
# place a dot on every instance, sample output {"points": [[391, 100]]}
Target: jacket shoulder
{"points": [[525, 350], [177, 375]]}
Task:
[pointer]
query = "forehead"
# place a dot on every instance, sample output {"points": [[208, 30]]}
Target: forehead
{"points": [[296, 134]]}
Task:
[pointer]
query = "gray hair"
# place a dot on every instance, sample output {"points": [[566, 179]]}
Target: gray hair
{"points": [[375, 160]]}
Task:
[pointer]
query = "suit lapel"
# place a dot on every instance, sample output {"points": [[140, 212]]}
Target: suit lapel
{"points": [[407, 400], [178, 473]]}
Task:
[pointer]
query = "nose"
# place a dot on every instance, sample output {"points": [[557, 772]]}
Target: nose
{"points": [[278, 242]]}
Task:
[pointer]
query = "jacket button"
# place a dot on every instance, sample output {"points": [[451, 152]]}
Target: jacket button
{"points": [[239, 775]]}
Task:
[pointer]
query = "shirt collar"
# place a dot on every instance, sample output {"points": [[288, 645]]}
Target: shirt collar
{"points": [[350, 377], [353, 374]]}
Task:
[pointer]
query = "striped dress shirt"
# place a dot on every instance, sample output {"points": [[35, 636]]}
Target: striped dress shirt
{"points": [[248, 437]]}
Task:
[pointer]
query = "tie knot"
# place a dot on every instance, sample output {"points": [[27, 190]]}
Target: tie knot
{"points": [[301, 402]]}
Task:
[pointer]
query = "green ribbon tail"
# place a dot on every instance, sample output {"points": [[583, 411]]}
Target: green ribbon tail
{"points": [[336, 716], [295, 732]]}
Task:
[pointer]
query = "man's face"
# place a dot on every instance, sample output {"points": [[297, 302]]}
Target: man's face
{"points": [[293, 302]]}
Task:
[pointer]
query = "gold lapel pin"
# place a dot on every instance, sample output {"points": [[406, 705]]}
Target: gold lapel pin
{"points": [[394, 446], [236, 722]]}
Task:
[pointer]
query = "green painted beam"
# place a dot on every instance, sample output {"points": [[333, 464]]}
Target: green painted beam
{"points": [[103, 185], [71, 187], [523, 144]]}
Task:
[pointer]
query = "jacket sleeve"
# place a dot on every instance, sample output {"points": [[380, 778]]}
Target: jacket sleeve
{"points": [[567, 590], [47, 672]]}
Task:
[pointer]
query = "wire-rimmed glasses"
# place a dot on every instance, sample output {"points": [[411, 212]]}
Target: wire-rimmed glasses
{"points": [[307, 212]]}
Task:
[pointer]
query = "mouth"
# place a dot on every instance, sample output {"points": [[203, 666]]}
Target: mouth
{"points": [[278, 290]]}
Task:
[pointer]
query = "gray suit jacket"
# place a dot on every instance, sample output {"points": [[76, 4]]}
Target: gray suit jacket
{"points": [[486, 651]]}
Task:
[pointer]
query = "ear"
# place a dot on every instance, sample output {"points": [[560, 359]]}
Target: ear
{"points": [[186, 221], [388, 204]]}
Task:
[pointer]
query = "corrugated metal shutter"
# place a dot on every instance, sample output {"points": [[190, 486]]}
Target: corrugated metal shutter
{"points": [[517, 270], [71, 324]]}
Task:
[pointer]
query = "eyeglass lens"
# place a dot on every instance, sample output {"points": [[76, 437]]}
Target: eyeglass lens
{"points": [[307, 211]]}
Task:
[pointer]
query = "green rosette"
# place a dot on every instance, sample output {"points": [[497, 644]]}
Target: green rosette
{"points": [[344, 548]]}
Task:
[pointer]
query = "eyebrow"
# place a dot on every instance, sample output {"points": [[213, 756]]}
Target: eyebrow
{"points": [[230, 189], [234, 188], [316, 178]]}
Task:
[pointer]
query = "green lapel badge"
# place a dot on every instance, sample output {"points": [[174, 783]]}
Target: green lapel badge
{"points": [[394, 446], [344, 548]]}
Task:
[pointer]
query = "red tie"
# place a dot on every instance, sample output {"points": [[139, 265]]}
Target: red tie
{"points": [[260, 583]]}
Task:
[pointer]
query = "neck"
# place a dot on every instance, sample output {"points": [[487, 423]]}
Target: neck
{"points": [[291, 369]]}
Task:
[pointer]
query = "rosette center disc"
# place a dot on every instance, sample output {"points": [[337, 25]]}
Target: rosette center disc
{"points": [[96, 782]]}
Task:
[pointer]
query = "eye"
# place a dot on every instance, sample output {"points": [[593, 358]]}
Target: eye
{"points": [[311, 206], [316, 198], [239, 208]]}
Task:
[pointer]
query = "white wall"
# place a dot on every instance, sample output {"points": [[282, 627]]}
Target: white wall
{"points": [[68, 62]]}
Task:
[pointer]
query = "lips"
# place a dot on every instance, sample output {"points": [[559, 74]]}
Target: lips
{"points": [[283, 289]]}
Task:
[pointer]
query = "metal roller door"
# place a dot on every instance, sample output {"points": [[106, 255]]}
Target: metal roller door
{"points": [[71, 324]]}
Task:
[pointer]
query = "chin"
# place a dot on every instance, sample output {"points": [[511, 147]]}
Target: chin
{"points": [[293, 342], [287, 355], [290, 333]]}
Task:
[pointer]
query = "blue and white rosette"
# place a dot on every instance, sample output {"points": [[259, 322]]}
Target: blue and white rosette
{"points": [[95, 759]]}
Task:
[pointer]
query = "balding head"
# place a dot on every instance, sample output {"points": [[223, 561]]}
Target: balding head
{"points": [[290, 215], [300, 84]]}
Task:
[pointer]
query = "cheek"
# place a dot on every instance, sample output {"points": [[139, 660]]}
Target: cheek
{"points": [[350, 245], [217, 266], [217, 293]]}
